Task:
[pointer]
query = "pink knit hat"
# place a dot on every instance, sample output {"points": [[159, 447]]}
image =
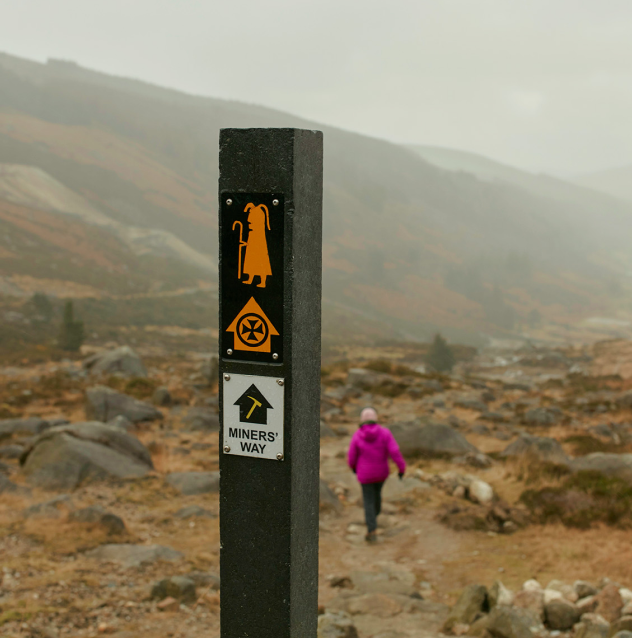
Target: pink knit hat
{"points": [[368, 414]]}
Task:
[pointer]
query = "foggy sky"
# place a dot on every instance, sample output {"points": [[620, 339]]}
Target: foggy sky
{"points": [[541, 84]]}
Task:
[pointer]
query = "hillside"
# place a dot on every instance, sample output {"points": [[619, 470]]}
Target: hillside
{"points": [[616, 182], [111, 183]]}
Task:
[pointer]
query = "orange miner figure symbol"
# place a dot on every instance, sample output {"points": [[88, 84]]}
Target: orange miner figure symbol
{"points": [[252, 329], [257, 260]]}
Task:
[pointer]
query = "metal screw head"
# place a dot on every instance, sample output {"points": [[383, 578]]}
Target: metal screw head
{"points": [[280, 381], [229, 202], [227, 377], [279, 456], [275, 202], [229, 352], [227, 449], [275, 356]]}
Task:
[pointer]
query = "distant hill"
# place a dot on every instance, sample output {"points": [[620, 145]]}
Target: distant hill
{"points": [[111, 184], [616, 182]]}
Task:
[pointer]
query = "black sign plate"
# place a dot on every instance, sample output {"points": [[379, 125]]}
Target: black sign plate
{"points": [[251, 273]]}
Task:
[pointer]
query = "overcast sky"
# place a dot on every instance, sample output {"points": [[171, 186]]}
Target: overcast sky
{"points": [[541, 84]]}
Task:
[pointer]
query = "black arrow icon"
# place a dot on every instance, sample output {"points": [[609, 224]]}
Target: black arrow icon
{"points": [[253, 406]]}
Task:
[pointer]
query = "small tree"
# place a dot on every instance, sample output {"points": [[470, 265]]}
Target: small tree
{"points": [[441, 357], [72, 333]]}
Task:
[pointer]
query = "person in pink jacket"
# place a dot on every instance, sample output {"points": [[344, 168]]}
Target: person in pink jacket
{"points": [[369, 451]]}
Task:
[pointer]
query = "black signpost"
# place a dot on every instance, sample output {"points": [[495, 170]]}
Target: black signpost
{"points": [[270, 229]]}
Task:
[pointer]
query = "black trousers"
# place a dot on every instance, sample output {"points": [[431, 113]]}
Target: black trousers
{"points": [[372, 497]]}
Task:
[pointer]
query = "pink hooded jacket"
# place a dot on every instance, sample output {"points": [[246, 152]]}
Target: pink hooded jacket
{"points": [[370, 448]]}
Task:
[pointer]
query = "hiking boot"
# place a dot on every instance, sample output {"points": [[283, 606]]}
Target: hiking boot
{"points": [[371, 537]]}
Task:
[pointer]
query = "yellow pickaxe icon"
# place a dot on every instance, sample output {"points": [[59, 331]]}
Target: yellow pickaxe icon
{"points": [[255, 404]]}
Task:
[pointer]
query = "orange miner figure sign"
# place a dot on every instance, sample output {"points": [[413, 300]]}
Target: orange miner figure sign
{"points": [[257, 261], [252, 329]]}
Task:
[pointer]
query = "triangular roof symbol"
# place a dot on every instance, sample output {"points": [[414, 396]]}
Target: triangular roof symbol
{"points": [[252, 329]]}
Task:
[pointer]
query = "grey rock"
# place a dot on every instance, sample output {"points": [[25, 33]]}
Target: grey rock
{"points": [[162, 397], [432, 385], [6, 485], [539, 448], [499, 595], [205, 579], [400, 582], [328, 501], [361, 378], [112, 523], [493, 417], [541, 416], [510, 622], [471, 404], [336, 625], [122, 361], [32, 425], [191, 511], [11, 451], [122, 423], [583, 589], [179, 587], [619, 465], [64, 457], [130, 555], [561, 614], [623, 634], [481, 429], [592, 626], [434, 439], [471, 604], [326, 431], [51, 508], [4, 468], [622, 625], [105, 404], [189, 483], [200, 419]]}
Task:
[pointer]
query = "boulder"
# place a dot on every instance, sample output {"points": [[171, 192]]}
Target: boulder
{"points": [[134, 555], [51, 508], [179, 587], [200, 419], [531, 600], [561, 615], [471, 604], [471, 404], [379, 605], [434, 439], [205, 579], [541, 417], [210, 370], [511, 622], [327, 500], [189, 483], [64, 457], [619, 465], [480, 492], [499, 595], [162, 397], [122, 423], [539, 448], [587, 605], [623, 634], [609, 603], [592, 626], [336, 625], [568, 591], [122, 361], [623, 624], [96, 515], [11, 451], [30, 426], [194, 511], [584, 589], [105, 404]]}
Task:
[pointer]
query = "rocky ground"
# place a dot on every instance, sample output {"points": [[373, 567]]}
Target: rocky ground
{"points": [[520, 466]]}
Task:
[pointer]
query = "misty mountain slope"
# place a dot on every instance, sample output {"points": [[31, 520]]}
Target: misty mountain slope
{"points": [[405, 242], [616, 182]]}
